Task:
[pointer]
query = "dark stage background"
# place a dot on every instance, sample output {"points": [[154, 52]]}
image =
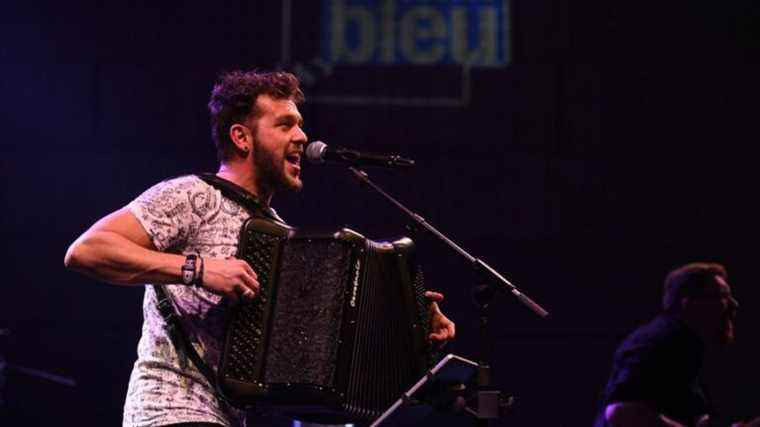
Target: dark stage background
{"points": [[613, 146]]}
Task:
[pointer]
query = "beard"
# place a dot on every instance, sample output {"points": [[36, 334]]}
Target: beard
{"points": [[271, 172], [727, 332]]}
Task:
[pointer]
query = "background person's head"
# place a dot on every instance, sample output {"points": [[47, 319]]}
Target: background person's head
{"points": [[699, 294]]}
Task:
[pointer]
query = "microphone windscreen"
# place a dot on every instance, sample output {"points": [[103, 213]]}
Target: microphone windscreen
{"points": [[315, 152]]}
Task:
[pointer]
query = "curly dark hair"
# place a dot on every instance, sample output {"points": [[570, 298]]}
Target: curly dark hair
{"points": [[233, 100], [689, 280]]}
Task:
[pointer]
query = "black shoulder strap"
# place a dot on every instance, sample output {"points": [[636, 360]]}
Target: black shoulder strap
{"points": [[178, 337], [240, 196]]}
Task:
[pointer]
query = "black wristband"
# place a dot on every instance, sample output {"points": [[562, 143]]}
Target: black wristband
{"points": [[188, 270]]}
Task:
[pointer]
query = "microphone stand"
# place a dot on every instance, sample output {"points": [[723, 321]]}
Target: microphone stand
{"points": [[490, 403]]}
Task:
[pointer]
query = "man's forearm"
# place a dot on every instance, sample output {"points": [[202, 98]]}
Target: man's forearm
{"points": [[639, 414], [110, 257]]}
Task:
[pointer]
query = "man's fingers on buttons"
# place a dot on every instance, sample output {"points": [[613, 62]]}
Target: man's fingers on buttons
{"points": [[250, 282], [250, 270], [256, 284], [246, 292]]}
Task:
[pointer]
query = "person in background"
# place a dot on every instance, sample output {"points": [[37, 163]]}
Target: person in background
{"points": [[655, 379]]}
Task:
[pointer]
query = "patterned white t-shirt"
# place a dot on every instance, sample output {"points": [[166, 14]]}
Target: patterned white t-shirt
{"points": [[183, 215]]}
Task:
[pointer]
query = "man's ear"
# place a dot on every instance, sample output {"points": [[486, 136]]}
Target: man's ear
{"points": [[241, 137]]}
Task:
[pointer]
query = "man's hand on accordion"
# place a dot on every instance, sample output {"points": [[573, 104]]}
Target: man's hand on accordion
{"points": [[232, 278], [442, 329]]}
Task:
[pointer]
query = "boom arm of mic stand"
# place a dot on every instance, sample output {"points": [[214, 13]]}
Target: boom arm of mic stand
{"points": [[479, 265]]}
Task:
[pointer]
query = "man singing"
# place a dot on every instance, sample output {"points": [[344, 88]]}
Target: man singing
{"points": [[185, 226]]}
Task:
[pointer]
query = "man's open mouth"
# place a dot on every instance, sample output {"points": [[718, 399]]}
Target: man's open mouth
{"points": [[294, 159]]}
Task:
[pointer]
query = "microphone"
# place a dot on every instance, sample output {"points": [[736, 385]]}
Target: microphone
{"points": [[318, 153]]}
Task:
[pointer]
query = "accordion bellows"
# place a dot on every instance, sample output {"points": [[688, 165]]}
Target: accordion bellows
{"points": [[338, 332]]}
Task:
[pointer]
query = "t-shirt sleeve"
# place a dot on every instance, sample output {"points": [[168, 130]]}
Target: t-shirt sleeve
{"points": [[166, 214]]}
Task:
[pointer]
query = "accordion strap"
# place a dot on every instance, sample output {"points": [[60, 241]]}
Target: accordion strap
{"points": [[241, 196], [178, 337]]}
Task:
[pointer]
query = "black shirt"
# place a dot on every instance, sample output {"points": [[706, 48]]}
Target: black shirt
{"points": [[659, 364]]}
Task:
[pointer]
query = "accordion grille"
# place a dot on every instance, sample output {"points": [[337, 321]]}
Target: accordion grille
{"points": [[306, 326]]}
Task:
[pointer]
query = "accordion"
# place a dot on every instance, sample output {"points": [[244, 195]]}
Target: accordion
{"points": [[338, 331]]}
